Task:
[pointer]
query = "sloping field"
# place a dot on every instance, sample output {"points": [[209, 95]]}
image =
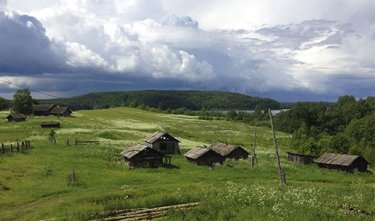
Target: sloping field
{"points": [[34, 184]]}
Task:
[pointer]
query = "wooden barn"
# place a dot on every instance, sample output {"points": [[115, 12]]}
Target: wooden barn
{"points": [[163, 142], [342, 162], [16, 117], [300, 158], [61, 111], [140, 155], [230, 151], [203, 156], [43, 109], [50, 124]]}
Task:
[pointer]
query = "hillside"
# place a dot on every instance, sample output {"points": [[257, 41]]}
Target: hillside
{"points": [[34, 185], [193, 100]]}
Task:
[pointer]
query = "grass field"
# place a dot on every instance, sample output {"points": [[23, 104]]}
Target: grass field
{"points": [[34, 185]]}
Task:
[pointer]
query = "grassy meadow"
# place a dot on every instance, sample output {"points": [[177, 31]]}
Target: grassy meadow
{"points": [[34, 185]]}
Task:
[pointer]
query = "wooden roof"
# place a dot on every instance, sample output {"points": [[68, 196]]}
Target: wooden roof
{"points": [[60, 110], [16, 116], [338, 159], [136, 149], [160, 135], [197, 152], [224, 149], [43, 107]]}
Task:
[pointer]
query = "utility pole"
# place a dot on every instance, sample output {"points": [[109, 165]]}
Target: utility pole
{"points": [[281, 172], [254, 159]]}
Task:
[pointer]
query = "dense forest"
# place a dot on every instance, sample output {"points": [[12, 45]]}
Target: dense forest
{"points": [[192, 100], [347, 126]]}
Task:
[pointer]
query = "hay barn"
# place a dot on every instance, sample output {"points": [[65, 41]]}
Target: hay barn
{"points": [[43, 109], [50, 124], [230, 151], [300, 158], [16, 117], [343, 162], [61, 111], [203, 156], [140, 155], [163, 142]]}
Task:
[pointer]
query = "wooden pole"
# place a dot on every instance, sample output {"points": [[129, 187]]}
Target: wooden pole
{"points": [[254, 159], [281, 172]]}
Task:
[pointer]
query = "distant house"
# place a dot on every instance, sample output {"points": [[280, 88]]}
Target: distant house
{"points": [[203, 156], [16, 117], [50, 124], [230, 151], [61, 111], [300, 158], [163, 142], [140, 155], [42, 109], [342, 162]]}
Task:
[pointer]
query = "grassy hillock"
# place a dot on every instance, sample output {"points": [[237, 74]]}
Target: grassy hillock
{"points": [[193, 100], [34, 185]]}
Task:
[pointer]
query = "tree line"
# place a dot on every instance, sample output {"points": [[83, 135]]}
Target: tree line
{"points": [[346, 126]]}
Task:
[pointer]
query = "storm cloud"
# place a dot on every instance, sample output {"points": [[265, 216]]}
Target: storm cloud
{"points": [[72, 47]]}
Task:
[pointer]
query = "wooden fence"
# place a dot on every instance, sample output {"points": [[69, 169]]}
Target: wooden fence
{"points": [[17, 147], [81, 142]]}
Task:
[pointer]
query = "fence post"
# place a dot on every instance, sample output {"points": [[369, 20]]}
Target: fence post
{"points": [[67, 142], [76, 141], [2, 147], [11, 147], [18, 146]]}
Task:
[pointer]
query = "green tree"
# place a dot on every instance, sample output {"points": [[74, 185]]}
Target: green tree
{"points": [[22, 102], [4, 104]]}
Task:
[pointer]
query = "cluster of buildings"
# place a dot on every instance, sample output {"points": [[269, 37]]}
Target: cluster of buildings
{"points": [[42, 110], [157, 149]]}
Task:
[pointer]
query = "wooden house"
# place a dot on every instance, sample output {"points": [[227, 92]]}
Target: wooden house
{"points": [[163, 142], [140, 155], [43, 109], [230, 151], [203, 156], [300, 158], [16, 117], [50, 124], [61, 111], [342, 162]]}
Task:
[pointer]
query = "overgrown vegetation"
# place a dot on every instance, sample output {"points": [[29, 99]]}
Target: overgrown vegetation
{"points": [[347, 126]]}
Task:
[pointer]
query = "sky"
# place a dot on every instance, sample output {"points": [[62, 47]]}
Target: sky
{"points": [[288, 50]]}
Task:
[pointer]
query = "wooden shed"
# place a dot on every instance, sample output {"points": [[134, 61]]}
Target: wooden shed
{"points": [[140, 155], [43, 109], [16, 117], [300, 158], [61, 111], [50, 124], [230, 151], [203, 156], [163, 142], [342, 162]]}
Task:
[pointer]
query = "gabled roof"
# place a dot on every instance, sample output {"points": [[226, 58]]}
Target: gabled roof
{"points": [[16, 116], [160, 135], [224, 149], [43, 107], [133, 150], [197, 152], [338, 159], [60, 110]]}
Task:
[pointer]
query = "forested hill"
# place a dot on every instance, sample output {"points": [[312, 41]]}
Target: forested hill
{"points": [[193, 100]]}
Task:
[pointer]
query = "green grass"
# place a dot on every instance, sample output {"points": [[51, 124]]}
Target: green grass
{"points": [[34, 185]]}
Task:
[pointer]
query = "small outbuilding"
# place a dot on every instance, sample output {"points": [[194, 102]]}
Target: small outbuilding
{"points": [[140, 155], [203, 156], [61, 111], [16, 117], [43, 109], [343, 162], [50, 124], [230, 151], [300, 158], [163, 142]]}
